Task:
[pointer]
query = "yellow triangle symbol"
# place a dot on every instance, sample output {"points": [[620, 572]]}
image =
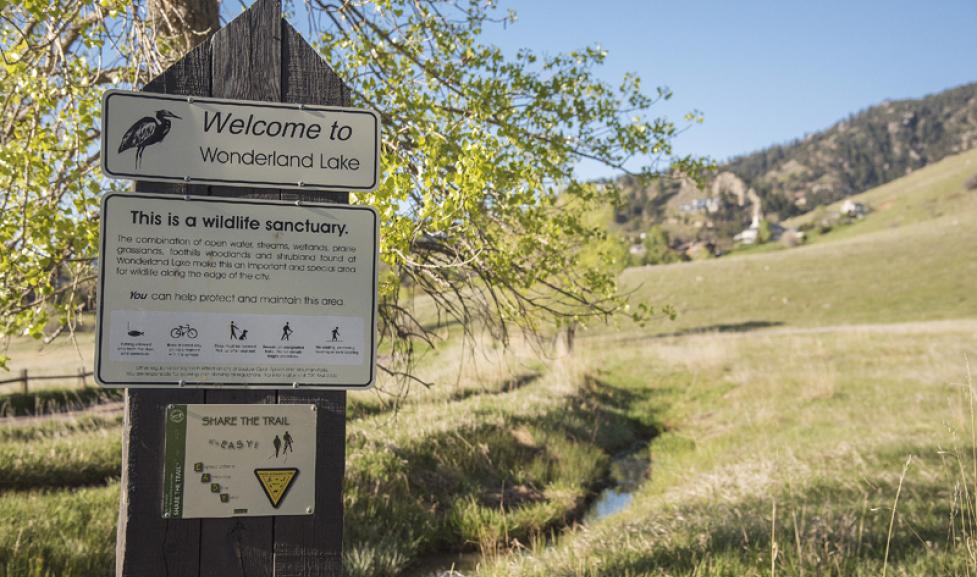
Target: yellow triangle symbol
{"points": [[276, 482]]}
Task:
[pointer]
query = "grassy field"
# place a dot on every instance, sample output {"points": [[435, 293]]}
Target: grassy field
{"points": [[507, 452], [925, 195], [784, 454], [63, 356], [818, 405], [808, 412], [911, 260], [59, 533], [483, 472]]}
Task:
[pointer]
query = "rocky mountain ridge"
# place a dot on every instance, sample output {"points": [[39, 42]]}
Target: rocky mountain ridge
{"points": [[869, 148]]}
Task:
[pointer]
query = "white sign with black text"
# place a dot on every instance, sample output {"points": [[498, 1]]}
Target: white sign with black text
{"points": [[207, 291], [149, 136]]}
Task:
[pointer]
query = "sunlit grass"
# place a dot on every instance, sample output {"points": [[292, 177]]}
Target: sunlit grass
{"points": [[63, 533], [489, 463], [489, 471], [789, 395], [927, 194], [820, 424]]}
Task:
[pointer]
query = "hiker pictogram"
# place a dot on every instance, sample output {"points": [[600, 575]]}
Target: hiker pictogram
{"points": [[283, 444]]}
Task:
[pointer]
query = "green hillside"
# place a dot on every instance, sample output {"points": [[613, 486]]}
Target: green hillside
{"points": [[868, 149], [927, 194], [817, 405], [910, 259]]}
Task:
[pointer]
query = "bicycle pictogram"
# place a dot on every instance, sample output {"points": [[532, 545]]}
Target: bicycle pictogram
{"points": [[183, 331]]}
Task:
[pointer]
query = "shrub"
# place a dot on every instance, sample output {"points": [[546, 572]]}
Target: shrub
{"points": [[658, 248], [971, 183]]}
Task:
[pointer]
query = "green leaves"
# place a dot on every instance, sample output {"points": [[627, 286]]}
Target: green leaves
{"points": [[481, 212], [48, 192]]}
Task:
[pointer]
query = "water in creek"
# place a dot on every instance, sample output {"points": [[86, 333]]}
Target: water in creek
{"points": [[627, 474]]}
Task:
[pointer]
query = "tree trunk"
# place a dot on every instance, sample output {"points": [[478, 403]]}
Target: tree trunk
{"points": [[182, 24]]}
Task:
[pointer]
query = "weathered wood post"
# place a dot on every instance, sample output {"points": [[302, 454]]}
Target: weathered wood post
{"points": [[257, 56]]}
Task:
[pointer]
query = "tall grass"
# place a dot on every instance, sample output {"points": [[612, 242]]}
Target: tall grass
{"points": [[65, 533], [819, 423], [55, 400], [85, 458], [457, 369], [479, 467], [37, 429], [489, 472]]}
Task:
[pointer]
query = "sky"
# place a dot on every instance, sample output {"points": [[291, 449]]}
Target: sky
{"points": [[762, 72]]}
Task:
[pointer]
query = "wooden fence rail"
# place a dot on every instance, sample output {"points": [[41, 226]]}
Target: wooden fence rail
{"points": [[24, 378]]}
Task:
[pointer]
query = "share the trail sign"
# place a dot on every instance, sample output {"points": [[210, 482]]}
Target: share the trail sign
{"points": [[196, 523], [239, 461], [239, 142]]}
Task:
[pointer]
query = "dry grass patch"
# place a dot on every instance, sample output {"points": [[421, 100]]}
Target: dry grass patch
{"points": [[820, 423]]}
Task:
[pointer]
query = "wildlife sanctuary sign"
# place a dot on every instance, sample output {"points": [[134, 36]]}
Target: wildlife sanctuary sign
{"points": [[208, 291], [238, 142]]}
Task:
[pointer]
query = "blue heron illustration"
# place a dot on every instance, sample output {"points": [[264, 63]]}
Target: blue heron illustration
{"points": [[145, 132]]}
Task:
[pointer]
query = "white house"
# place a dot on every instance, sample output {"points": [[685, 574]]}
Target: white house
{"points": [[853, 209]]}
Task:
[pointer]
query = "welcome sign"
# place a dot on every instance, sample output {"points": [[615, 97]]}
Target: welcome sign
{"points": [[236, 142]]}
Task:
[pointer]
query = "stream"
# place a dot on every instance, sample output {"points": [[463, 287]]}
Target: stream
{"points": [[628, 471]]}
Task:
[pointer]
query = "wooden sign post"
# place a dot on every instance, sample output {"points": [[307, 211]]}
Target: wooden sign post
{"points": [[258, 56]]}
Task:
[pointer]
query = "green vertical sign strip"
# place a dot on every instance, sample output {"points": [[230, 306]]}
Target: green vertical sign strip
{"points": [[174, 461]]}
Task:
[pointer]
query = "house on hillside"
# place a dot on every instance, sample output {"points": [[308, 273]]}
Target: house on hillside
{"points": [[853, 209], [751, 235], [748, 236], [701, 205]]}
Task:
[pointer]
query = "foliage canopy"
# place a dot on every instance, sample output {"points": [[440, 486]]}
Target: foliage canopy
{"points": [[480, 209]]}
